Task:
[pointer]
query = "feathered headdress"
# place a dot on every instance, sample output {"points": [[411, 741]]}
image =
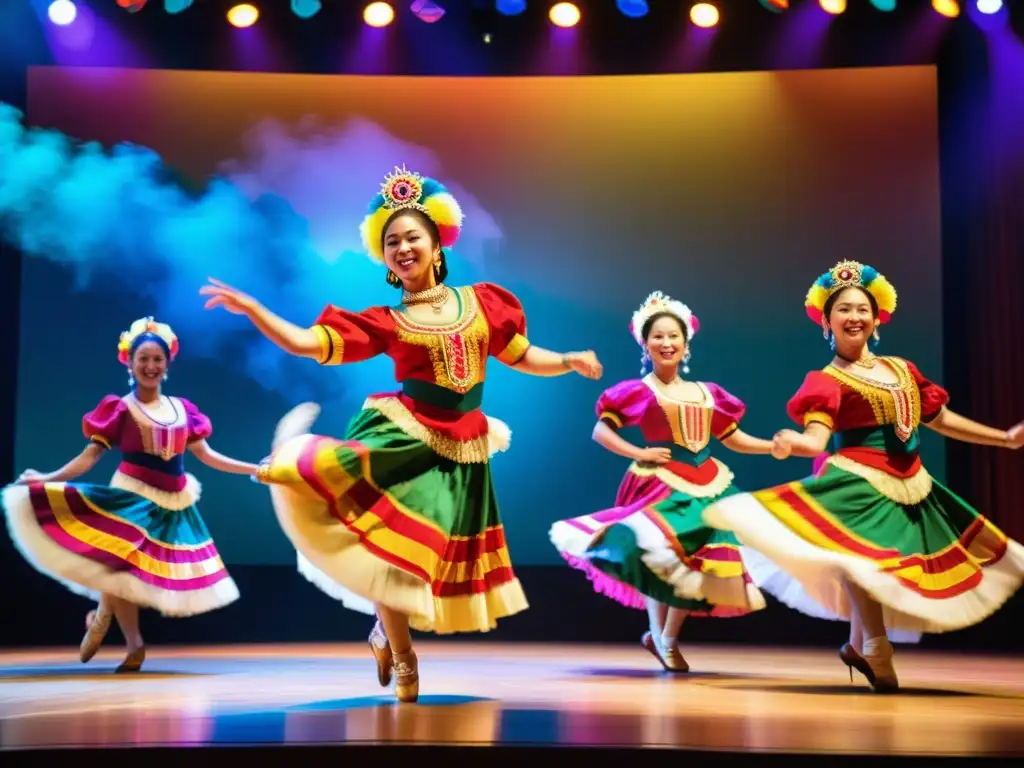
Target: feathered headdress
{"points": [[140, 328], [405, 189], [659, 302], [851, 274]]}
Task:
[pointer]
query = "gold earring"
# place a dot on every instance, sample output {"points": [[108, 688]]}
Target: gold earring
{"points": [[392, 279], [437, 270]]}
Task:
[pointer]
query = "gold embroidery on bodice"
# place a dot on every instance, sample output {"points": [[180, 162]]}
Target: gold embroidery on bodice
{"points": [[690, 422], [159, 438], [457, 350], [898, 404]]}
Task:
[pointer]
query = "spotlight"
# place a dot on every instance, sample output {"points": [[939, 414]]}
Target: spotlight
{"points": [[378, 14], [306, 9], [777, 6], [704, 15], [633, 9], [835, 7], [948, 8], [884, 5], [564, 14], [990, 6], [177, 6], [62, 12], [510, 7], [427, 10], [132, 6], [243, 15]]}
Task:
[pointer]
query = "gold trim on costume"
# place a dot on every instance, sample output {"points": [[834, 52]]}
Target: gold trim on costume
{"points": [[515, 350], [728, 431], [819, 417], [332, 345], [475, 451], [690, 422], [897, 404], [717, 486], [174, 500], [100, 440], [611, 416], [909, 490], [157, 437]]}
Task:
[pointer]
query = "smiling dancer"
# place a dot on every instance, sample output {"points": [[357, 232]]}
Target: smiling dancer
{"points": [[139, 541], [402, 511], [872, 537], [652, 550]]}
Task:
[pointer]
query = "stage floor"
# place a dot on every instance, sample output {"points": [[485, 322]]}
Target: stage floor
{"points": [[737, 698]]}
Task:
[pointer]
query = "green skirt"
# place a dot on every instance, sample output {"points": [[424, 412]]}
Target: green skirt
{"points": [[933, 562], [382, 517]]}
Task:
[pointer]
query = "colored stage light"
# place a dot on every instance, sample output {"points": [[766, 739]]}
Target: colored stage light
{"points": [[306, 9], [834, 7], [990, 6], [704, 15], [132, 6], [243, 15], [177, 6], [564, 14], [948, 8], [378, 14], [62, 12], [633, 9], [884, 5], [510, 7], [778, 6], [427, 11]]}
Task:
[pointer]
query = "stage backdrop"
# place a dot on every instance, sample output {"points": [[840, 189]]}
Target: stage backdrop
{"points": [[582, 195]]}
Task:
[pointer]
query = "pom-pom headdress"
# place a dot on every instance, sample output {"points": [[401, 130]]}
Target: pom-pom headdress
{"points": [[144, 329], [851, 274], [405, 189], [656, 303]]}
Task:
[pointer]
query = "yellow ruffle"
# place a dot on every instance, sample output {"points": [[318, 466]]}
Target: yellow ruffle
{"points": [[910, 490]]}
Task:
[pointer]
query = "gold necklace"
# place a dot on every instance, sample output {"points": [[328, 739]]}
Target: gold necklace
{"points": [[436, 297], [868, 362]]}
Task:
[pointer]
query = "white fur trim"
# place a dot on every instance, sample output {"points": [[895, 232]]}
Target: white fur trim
{"points": [[659, 302], [499, 436], [90, 579], [810, 579], [176, 500]]}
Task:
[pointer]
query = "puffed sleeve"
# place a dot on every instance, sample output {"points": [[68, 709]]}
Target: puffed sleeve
{"points": [[104, 423], [199, 425], [507, 321], [933, 397], [624, 404], [817, 401], [728, 412], [351, 337]]}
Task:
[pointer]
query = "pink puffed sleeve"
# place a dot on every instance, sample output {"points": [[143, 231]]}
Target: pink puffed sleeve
{"points": [[507, 322], [624, 404], [351, 337], [933, 397], [728, 413], [817, 401], [199, 425], [103, 424]]}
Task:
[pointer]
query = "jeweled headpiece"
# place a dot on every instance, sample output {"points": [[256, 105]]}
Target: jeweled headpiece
{"points": [[851, 274], [405, 189], [658, 302], [142, 329]]}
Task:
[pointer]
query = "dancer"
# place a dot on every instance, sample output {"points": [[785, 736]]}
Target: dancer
{"points": [[871, 537], [652, 550], [402, 512], [139, 541]]}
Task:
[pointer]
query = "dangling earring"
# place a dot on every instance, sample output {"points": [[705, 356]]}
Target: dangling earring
{"points": [[131, 379], [875, 338], [686, 360], [645, 359], [832, 342], [437, 270], [392, 279], [166, 375]]}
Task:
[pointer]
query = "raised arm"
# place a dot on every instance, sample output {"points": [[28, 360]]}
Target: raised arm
{"points": [[293, 339], [77, 467]]}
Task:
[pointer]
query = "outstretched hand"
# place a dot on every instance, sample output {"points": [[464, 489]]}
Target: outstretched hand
{"points": [[223, 295], [585, 364], [782, 444], [1015, 436], [29, 476]]}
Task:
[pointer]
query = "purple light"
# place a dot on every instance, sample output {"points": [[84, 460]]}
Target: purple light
{"points": [[62, 12]]}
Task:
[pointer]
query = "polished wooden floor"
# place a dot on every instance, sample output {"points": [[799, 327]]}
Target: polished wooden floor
{"points": [[736, 698]]}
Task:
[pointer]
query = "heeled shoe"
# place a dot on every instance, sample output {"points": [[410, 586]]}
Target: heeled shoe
{"points": [[669, 658], [407, 677], [97, 626], [854, 661], [381, 649], [878, 653], [133, 661]]}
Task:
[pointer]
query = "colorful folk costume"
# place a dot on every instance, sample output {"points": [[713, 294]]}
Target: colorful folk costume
{"points": [[140, 538], [871, 515], [402, 510], [653, 543]]}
